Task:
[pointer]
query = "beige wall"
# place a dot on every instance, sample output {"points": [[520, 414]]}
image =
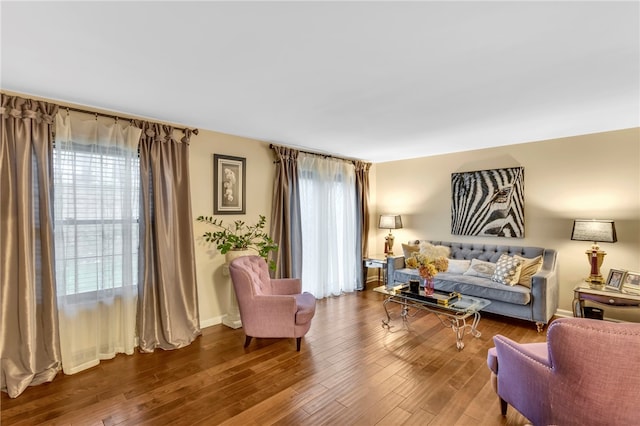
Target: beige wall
{"points": [[213, 286], [588, 176]]}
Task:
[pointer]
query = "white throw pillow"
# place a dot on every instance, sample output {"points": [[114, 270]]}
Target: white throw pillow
{"points": [[458, 266], [507, 270], [481, 268], [432, 251], [530, 267]]}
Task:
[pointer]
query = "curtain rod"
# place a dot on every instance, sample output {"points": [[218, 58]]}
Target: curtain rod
{"points": [[315, 153], [115, 117]]}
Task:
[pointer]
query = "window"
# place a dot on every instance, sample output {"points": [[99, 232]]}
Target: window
{"points": [[96, 206], [329, 220]]}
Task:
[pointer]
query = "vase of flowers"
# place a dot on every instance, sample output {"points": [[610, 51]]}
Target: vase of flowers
{"points": [[428, 267]]}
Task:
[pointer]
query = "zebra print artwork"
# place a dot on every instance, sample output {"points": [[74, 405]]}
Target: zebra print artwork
{"points": [[488, 203]]}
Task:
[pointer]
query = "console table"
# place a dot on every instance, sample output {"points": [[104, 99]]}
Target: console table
{"points": [[583, 293]]}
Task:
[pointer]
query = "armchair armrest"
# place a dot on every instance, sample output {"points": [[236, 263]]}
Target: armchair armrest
{"points": [[537, 353], [394, 262], [286, 286], [524, 377], [279, 309]]}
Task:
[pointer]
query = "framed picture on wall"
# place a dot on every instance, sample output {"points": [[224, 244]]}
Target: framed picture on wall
{"points": [[615, 279], [631, 283], [229, 195], [488, 203]]}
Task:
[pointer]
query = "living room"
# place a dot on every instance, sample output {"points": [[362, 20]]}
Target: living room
{"points": [[568, 176]]}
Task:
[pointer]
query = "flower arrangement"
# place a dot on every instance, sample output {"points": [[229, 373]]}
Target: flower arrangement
{"points": [[427, 266]]}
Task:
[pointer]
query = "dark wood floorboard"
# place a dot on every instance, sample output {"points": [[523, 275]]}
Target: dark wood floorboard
{"points": [[350, 371]]}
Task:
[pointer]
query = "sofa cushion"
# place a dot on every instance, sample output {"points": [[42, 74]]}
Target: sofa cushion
{"points": [[433, 251], [409, 249], [507, 270], [530, 267], [481, 268], [458, 266], [472, 286]]}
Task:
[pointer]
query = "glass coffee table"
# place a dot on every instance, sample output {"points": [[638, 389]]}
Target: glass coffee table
{"points": [[452, 309]]}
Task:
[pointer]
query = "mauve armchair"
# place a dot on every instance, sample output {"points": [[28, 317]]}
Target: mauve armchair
{"points": [[587, 373], [270, 308]]}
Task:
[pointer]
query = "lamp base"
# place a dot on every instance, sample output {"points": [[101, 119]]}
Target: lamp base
{"points": [[595, 256], [596, 283], [389, 243]]}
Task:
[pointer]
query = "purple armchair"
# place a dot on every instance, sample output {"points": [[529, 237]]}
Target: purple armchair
{"points": [[270, 308], [587, 373]]}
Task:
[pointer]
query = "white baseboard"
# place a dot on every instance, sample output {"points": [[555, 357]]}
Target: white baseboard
{"points": [[211, 321], [563, 313]]}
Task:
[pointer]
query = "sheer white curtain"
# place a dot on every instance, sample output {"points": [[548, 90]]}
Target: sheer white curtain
{"points": [[329, 225], [96, 211]]}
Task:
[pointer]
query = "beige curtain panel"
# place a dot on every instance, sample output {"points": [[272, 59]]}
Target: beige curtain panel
{"points": [[285, 225], [168, 315], [29, 341], [362, 189]]}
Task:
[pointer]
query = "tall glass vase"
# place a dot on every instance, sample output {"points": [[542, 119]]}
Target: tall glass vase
{"points": [[428, 286]]}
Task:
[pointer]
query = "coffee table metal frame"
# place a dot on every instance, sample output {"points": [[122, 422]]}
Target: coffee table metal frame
{"points": [[453, 316]]}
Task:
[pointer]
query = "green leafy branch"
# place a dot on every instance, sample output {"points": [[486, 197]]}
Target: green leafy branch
{"points": [[240, 236]]}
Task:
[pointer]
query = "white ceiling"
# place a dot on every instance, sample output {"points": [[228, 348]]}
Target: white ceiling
{"points": [[378, 81]]}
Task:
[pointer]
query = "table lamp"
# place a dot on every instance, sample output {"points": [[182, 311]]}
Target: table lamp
{"points": [[603, 231], [390, 221]]}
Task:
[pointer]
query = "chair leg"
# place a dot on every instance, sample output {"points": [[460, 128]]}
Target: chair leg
{"points": [[247, 340], [503, 407], [298, 340]]}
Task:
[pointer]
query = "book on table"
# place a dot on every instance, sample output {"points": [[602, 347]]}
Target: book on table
{"points": [[440, 297]]}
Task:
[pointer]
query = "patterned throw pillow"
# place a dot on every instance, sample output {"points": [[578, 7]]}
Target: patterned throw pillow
{"points": [[481, 268], [530, 267], [507, 270]]}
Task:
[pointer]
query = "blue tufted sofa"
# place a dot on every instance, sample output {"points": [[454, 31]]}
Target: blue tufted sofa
{"points": [[538, 303]]}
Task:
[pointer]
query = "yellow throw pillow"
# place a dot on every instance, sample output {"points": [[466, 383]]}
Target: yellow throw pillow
{"points": [[530, 267], [409, 249], [508, 270]]}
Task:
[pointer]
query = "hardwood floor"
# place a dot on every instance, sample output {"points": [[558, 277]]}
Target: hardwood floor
{"points": [[349, 371]]}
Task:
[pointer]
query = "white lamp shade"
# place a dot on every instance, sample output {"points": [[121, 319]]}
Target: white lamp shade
{"points": [[390, 221], [601, 231]]}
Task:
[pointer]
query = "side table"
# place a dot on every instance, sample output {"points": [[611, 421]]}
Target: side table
{"points": [[378, 261], [618, 299]]}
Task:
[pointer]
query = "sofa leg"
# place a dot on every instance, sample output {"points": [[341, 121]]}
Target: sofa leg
{"points": [[298, 340], [503, 407], [247, 340], [539, 326]]}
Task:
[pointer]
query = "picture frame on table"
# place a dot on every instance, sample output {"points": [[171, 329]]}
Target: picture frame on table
{"points": [[631, 282], [229, 184], [615, 279]]}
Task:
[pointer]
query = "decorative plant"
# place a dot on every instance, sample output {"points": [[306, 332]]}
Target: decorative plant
{"points": [[240, 236]]}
